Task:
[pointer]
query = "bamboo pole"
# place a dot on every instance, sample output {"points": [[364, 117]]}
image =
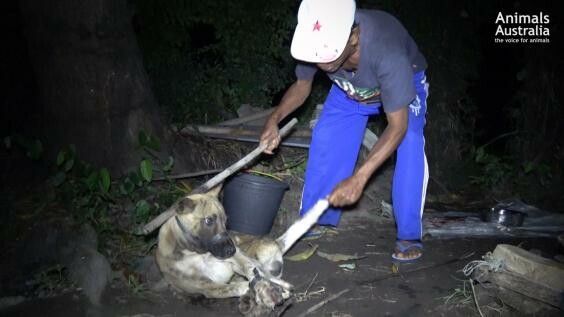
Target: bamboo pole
{"points": [[252, 117], [215, 130], [214, 181]]}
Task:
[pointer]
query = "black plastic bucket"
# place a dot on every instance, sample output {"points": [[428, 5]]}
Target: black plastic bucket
{"points": [[251, 202]]}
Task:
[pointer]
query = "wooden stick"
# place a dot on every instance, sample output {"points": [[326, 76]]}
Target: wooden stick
{"points": [[188, 175], [214, 181], [252, 117], [242, 162], [475, 297], [300, 227], [317, 306]]}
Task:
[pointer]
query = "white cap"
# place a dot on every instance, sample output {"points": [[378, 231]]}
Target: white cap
{"points": [[323, 30]]}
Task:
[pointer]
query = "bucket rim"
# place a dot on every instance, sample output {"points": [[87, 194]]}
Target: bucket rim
{"points": [[262, 179]]}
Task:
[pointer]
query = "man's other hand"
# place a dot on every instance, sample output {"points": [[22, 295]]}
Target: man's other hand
{"points": [[270, 137], [347, 192]]}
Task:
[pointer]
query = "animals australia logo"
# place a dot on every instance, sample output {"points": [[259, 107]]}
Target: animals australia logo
{"points": [[522, 28]]}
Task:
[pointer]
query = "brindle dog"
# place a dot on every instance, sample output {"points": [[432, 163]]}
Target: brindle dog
{"points": [[197, 255]]}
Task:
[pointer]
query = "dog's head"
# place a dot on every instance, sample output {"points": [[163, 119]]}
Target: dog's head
{"points": [[200, 220]]}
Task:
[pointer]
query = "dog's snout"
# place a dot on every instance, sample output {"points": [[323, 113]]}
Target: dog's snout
{"points": [[230, 249], [222, 246]]}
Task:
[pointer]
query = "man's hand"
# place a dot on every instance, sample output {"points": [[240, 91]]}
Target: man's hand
{"points": [[292, 99], [347, 192], [270, 136]]}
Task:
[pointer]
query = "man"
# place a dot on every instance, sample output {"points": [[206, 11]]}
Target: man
{"points": [[376, 67]]}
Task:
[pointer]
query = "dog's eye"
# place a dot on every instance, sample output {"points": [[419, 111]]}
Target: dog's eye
{"points": [[208, 221]]}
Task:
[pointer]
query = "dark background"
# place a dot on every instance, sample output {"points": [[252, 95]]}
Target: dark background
{"points": [[495, 109], [89, 90]]}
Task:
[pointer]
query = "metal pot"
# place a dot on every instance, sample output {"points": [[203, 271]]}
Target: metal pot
{"points": [[505, 217]]}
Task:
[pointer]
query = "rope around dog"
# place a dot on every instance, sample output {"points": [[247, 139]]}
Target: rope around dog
{"points": [[489, 261]]}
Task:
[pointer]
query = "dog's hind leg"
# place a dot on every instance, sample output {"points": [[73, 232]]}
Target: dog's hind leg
{"points": [[300, 227]]}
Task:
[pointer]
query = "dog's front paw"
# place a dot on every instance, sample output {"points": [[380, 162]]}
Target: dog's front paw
{"points": [[247, 303], [267, 294], [261, 298]]}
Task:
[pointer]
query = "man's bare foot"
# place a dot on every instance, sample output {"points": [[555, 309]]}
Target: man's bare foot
{"points": [[407, 250]]}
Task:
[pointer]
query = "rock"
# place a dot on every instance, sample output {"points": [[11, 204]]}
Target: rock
{"points": [[9, 301], [76, 238], [54, 241], [150, 274], [87, 267], [75, 247], [91, 271]]}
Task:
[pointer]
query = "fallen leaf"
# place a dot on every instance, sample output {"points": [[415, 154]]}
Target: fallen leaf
{"points": [[332, 231], [304, 255], [348, 266], [338, 257]]}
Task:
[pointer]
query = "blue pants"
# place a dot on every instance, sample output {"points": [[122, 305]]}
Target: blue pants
{"points": [[334, 149]]}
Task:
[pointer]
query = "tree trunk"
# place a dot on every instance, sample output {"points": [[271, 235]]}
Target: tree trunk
{"points": [[94, 89]]}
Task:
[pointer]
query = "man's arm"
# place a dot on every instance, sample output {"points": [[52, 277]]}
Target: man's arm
{"points": [[293, 98], [349, 191]]}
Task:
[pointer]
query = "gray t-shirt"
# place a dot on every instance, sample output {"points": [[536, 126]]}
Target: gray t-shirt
{"points": [[388, 59]]}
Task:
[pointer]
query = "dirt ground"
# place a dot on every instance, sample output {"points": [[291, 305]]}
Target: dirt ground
{"points": [[372, 288]]}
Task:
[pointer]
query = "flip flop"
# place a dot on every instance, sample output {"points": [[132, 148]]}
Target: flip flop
{"points": [[403, 246]]}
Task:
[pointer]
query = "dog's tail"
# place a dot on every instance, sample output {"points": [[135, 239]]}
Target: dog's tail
{"points": [[300, 227]]}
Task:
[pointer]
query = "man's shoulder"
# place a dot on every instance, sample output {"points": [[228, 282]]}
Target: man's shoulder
{"points": [[380, 31], [374, 14], [305, 71]]}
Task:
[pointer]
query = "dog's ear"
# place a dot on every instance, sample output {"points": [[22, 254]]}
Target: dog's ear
{"points": [[215, 190], [185, 205]]}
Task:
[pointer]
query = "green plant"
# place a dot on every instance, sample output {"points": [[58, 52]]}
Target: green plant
{"points": [[151, 145], [33, 147], [135, 285], [92, 193], [460, 295], [539, 171], [49, 280], [205, 63], [87, 189], [494, 169]]}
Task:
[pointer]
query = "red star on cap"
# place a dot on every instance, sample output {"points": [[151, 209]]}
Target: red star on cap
{"points": [[317, 26]]}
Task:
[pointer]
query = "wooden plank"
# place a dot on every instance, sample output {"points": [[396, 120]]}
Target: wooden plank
{"points": [[534, 267], [253, 117], [292, 142], [300, 137], [523, 304], [522, 285], [211, 130]]}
